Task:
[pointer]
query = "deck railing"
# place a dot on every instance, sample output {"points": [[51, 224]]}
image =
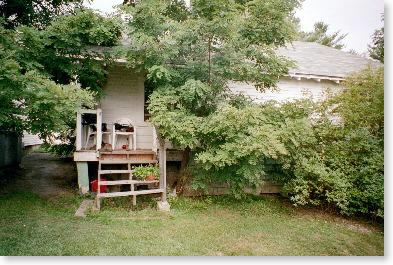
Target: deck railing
{"points": [[81, 134], [79, 127]]}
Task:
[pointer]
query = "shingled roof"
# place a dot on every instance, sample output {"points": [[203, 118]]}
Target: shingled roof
{"points": [[315, 59], [312, 59]]}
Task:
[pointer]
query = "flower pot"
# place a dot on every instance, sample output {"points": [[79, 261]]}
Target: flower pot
{"points": [[150, 178]]}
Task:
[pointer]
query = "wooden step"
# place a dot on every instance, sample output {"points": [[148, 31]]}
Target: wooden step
{"points": [[114, 171], [128, 193], [129, 161], [128, 152], [126, 181]]}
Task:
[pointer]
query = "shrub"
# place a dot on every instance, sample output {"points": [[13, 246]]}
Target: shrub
{"points": [[342, 163], [142, 172], [319, 160]]}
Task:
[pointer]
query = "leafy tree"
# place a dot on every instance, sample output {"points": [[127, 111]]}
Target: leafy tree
{"points": [[376, 49], [189, 55], [38, 13], [46, 74], [339, 164], [331, 162], [320, 35]]}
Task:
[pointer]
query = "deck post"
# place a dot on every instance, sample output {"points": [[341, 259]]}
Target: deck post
{"points": [[83, 177], [78, 131], [99, 129], [163, 205], [154, 134]]}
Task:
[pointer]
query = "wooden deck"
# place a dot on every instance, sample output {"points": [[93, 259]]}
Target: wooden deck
{"points": [[92, 155]]}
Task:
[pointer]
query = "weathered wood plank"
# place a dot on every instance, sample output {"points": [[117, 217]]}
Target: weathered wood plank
{"points": [[99, 129], [128, 193], [162, 165], [91, 111], [85, 156], [125, 171], [109, 161], [78, 131], [83, 208], [154, 132], [127, 181], [130, 152]]}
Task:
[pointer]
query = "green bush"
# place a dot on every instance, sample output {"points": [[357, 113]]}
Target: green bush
{"points": [[328, 153], [142, 172], [343, 162]]}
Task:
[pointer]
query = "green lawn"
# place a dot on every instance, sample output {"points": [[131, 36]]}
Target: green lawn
{"points": [[212, 226]]}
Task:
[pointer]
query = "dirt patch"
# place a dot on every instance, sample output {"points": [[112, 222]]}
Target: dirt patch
{"points": [[45, 175]]}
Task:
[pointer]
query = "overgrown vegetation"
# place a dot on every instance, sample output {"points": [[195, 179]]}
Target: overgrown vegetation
{"points": [[329, 153], [209, 226], [47, 73], [37, 13], [191, 55], [49, 70]]}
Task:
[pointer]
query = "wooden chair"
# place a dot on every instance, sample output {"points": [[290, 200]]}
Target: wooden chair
{"points": [[131, 136]]}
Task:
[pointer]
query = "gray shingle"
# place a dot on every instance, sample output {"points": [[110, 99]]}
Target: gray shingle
{"points": [[316, 59]]}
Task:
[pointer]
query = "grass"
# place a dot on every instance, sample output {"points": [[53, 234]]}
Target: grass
{"points": [[30, 225]]}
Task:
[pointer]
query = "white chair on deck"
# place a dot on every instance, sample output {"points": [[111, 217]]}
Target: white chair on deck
{"points": [[131, 136], [91, 131]]}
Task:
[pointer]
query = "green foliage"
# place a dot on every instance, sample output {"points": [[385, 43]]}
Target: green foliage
{"points": [[47, 74], [376, 49], [361, 105], [342, 164], [142, 172], [37, 13], [213, 42], [189, 60], [299, 144], [65, 50], [320, 35]]}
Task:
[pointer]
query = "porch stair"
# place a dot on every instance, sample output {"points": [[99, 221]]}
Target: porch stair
{"points": [[128, 158]]}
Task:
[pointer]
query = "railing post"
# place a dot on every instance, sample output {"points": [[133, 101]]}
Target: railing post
{"points": [[163, 205], [162, 163], [154, 147], [99, 129], [78, 131]]}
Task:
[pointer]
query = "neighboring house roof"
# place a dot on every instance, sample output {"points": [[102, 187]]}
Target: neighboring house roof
{"points": [[314, 63], [312, 60], [318, 60], [31, 139]]}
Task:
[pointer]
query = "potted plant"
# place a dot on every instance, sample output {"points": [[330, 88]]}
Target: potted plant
{"points": [[148, 173]]}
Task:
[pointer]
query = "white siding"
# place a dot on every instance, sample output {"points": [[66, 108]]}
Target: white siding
{"points": [[124, 97], [31, 139], [288, 89]]}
